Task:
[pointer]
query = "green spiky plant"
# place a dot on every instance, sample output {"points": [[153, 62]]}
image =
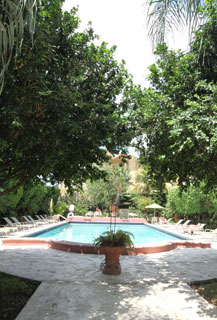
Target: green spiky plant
{"points": [[119, 238]]}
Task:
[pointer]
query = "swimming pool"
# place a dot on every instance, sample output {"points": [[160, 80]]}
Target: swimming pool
{"points": [[87, 232]]}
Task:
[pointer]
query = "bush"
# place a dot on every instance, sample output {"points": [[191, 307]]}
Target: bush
{"points": [[60, 208]]}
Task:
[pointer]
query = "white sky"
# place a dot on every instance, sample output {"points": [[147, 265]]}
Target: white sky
{"points": [[122, 23]]}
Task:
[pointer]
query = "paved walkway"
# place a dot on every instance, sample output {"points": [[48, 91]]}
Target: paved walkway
{"points": [[150, 286]]}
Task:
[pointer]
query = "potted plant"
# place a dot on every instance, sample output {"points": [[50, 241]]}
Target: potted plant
{"points": [[113, 244]]}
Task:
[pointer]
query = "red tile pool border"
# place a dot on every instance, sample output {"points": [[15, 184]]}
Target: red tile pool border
{"points": [[89, 248]]}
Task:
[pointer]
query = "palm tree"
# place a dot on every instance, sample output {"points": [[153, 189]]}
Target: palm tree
{"points": [[15, 15], [166, 15]]}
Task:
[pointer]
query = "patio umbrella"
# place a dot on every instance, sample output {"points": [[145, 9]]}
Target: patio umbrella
{"points": [[154, 206]]}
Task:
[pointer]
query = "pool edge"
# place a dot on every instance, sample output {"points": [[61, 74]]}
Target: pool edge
{"points": [[89, 248]]}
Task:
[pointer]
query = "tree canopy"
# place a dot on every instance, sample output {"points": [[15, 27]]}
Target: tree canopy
{"points": [[178, 112], [63, 104]]}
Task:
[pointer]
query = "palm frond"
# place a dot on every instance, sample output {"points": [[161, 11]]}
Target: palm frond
{"points": [[14, 16], [166, 15]]}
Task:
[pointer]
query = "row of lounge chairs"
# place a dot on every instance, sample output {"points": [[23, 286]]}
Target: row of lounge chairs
{"points": [[14, 225], [183, 226]]}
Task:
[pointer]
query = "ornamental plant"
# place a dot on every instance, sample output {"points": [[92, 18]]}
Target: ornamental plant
{"points": [[120, 238]]}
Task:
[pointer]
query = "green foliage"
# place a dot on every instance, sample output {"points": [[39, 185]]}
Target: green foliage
{"points": [[137, 211], [8, 203], [60, 207], [80, 208], [178, 115], [141, 202], [36, 199], [82, 205], [195, 203], [59, 110], [205, 42], [102, 193], [114, 239], [31, 200]]}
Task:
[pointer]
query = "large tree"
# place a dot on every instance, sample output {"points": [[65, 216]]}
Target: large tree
{"points": [[179, 112], [63, 104]]}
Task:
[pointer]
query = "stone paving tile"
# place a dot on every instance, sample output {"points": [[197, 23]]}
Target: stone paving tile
{"points": [[150, 286]]}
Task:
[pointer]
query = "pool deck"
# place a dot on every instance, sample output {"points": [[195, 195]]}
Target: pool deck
{"points": [[151, 286]]}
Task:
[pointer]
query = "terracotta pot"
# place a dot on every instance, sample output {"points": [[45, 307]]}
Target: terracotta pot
{"points": [[112, 263]]}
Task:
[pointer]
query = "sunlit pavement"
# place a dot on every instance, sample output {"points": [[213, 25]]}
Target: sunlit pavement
{"points": [[150, 286]]}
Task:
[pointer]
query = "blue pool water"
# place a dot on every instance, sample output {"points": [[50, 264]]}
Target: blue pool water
{"points": [[87, 232]]}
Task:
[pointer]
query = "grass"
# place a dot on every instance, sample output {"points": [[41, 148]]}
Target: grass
{"points": [[14, 293], [208, 290]]}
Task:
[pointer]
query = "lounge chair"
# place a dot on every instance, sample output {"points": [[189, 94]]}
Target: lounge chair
{"points": [[30, 221], [161, 220], [133, 215], [166, 223], [194, 228], [185, 223], [36, 222], [98, 214], [14, 227], [183, 227], [89, 214], [41, 219], [211, 230], [154, 220], [4, 231], [22, 225], [48, 219], [178, 223]]}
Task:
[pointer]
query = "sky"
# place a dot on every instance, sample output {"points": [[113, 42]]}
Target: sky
{"points": [[123, 23]]}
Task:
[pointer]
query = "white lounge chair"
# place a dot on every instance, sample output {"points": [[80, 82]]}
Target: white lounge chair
{"points": [[133, 215], [36, 222], [48, 219], [4, 231], [22, 225], [89, 214], [196, 228], [185, 223], [183, 227], [12, 225], [211, 230], [30, 221], [41, 219]]}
